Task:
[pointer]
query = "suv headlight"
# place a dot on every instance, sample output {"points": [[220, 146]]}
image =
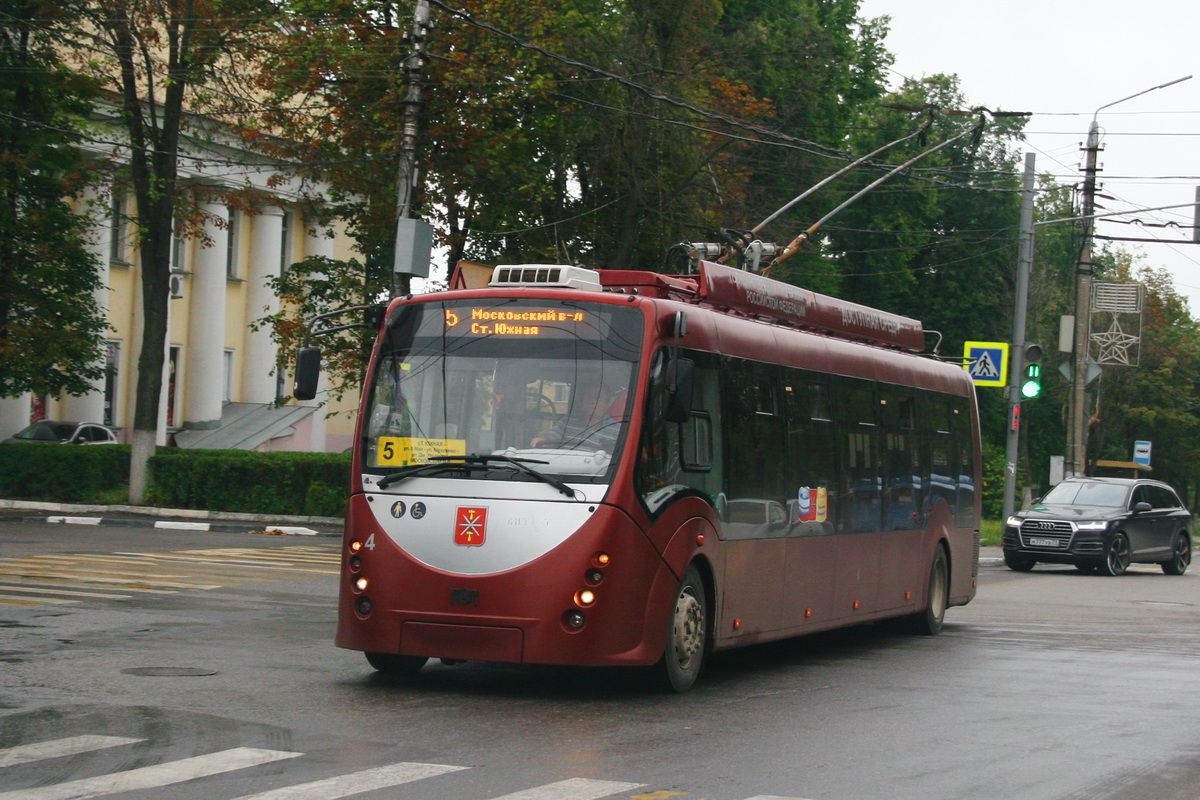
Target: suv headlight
{"points": [[1096, 525], [1013, 522]]}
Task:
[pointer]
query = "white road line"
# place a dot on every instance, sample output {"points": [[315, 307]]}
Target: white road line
{"points": [[772, 797], [254, 566], [24, 600], [67, 592], [355, 782], [75, 520], [153, 777], [127, 582], [56, 748], [570, 789]]}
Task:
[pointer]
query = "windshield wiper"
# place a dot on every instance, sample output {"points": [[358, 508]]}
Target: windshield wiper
{"points": [[414, 470], [521, 464]]}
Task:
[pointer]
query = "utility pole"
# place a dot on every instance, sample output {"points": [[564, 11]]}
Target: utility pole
{"points": [[413, 237], [1077, 431], [1016, 358]]}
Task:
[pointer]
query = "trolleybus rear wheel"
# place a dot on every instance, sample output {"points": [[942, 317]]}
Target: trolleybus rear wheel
{"points": [[929, 621], [394, 666], [687, 634]]}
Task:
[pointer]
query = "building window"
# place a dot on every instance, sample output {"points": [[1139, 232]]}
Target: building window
{"points": [[177, 250], [227, 379], [173, 355], [112, 374], [285, 247], [231, 245], [118, 226]]}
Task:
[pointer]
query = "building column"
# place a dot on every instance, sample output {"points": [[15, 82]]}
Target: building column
{"points": [[90, 407], [204, 360], [317, 243], [266, 245]]}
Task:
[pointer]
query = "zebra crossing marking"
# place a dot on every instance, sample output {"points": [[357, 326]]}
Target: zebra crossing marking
{"points": [[356, 782], [154, 777], [56, 748], [212, 764], [572, 789], [58, 579]]}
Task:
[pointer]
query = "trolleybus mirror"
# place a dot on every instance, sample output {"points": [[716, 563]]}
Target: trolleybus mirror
{"points": [[308, 372], [679, 390]]}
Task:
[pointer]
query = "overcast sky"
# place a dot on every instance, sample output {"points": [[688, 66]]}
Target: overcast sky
{"points": [[1063, 59]]}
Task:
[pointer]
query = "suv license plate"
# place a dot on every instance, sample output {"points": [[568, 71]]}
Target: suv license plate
{"points": [[1035, 541]]}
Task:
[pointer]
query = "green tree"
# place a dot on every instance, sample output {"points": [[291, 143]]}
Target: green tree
{"points": [[163, 60], [51, 329]]}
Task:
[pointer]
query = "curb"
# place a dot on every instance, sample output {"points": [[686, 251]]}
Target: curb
{"points": [[171, 519]]}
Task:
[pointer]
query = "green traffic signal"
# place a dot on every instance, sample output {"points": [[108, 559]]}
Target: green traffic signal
{"points": [[1032, 385]]}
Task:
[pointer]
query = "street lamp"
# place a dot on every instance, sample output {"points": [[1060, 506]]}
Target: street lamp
{"points": [[1077, 431]]}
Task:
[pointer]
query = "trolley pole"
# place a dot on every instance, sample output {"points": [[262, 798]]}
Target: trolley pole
{"points": [[1016, 358]]}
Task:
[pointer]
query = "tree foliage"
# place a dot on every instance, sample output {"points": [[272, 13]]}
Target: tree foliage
{"points": [[51, 328]]}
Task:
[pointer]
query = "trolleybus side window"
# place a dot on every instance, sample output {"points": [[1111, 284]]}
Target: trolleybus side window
{"points": [[961, 429], [812, 454], [677, 458], [903, 485], [862, 476], [757, 461], [941, 479]]}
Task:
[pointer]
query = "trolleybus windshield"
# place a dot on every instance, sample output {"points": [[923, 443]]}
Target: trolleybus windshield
{"points": [[546, 381]]}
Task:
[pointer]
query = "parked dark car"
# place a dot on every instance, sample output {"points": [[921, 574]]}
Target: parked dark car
{"points": [[64, 433], [1102, 524]]}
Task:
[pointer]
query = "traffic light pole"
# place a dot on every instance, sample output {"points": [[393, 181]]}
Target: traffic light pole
{"points": [[1016, 358]]}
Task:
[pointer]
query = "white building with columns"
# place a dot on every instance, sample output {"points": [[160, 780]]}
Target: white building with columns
{"points": [[220, 383]]}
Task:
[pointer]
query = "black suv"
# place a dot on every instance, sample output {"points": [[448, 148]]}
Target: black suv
{"points": [[1102, 524]]}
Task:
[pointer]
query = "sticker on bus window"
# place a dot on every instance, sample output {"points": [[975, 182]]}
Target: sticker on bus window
{"points": [[400, 451], [812, 505]]}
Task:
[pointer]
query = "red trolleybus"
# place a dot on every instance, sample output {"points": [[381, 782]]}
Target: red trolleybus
{"points": [[578, 467]]}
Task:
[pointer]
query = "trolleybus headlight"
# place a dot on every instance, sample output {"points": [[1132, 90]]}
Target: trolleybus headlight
{"points": [[585, 598], [361, 584], [574, 619], [600, 559], [363, 606], [355, 563], [593, 577], [355, 545]]}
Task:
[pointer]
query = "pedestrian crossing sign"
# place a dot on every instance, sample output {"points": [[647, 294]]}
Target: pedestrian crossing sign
{"points": [[987, 362]]}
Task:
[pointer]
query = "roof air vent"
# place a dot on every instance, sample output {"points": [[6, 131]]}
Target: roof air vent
{"points": [[547, 275]]}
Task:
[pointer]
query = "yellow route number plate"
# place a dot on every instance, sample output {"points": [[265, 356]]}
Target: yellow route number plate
{"points": [[398, 451]]}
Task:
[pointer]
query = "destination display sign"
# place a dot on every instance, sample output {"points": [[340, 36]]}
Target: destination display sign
{"points": [[510, 322], [761, 296]]}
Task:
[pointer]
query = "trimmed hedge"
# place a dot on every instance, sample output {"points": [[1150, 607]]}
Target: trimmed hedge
{"points": [[62, 473], [305, 484]]}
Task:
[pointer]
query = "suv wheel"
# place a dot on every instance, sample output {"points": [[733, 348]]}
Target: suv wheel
{"points": [[1018, 563], [1116, 560], [1183, 556]]}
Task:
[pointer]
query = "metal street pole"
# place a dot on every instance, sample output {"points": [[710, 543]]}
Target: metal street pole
{"points": [[1016, 358], [407, 177], [1077, 429]]}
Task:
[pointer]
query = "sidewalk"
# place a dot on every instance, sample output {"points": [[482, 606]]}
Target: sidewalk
{"points": [[173, 518]]}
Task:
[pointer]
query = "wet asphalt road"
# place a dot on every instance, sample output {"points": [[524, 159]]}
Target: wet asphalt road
{"points": [[207, 660]]}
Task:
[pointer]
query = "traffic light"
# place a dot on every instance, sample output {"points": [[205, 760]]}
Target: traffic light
{"points": [[1031, 382]]}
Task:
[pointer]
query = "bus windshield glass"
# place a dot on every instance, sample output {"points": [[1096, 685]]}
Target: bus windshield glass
{"points": [[546, 380]]}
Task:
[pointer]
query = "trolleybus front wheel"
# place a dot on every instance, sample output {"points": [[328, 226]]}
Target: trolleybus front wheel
{"points": [[687, 634], [394, 666]]}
